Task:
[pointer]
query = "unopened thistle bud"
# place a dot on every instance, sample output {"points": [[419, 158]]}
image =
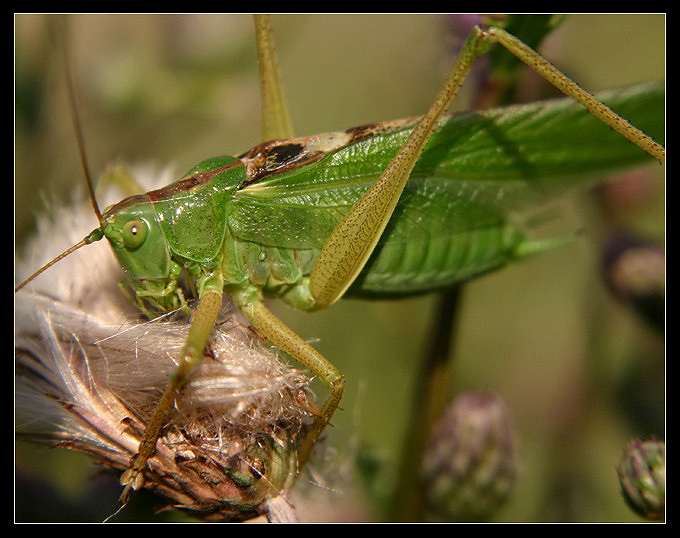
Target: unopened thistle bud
{"points": [[642, 478], [469, 465]]}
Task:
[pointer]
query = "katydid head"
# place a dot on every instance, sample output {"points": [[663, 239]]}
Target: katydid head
{"points": [[133, 229], [135, 235], [136, 239]]}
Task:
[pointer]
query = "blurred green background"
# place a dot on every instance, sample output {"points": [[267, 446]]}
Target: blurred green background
{"points": [[544, 333]]}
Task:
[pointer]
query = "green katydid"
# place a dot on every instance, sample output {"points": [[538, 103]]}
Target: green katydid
{"points": [[288, 158]]}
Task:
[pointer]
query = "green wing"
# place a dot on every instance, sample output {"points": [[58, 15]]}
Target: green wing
{"points": [[477, 169]]}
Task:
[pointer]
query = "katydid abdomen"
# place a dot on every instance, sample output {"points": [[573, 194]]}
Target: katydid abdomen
{"points": [[433, 240]]}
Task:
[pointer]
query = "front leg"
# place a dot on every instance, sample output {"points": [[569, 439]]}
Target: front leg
{"points": [[209, 305]]}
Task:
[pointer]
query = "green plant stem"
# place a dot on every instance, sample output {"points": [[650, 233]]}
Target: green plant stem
{"points": [[429, 399]]}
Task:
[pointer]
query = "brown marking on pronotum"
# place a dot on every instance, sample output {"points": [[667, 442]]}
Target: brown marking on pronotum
{"points": [[270, 157], [183, 185], [277, 155], [188, 183]]}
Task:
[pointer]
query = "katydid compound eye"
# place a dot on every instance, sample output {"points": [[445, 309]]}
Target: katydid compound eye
{"points": [[134, 233]]}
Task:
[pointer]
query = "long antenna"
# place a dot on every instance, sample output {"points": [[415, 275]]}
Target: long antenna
{"points": [[75, 118], [97, 234], [49, 264]]}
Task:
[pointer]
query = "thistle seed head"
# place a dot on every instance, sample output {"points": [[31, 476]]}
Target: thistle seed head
{"points": [[230, 443], [89, 372]]}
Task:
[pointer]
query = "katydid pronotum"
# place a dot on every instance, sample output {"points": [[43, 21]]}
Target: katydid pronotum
{"points": [[331, 405]]}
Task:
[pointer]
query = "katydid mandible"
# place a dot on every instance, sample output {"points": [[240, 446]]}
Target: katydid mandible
{"points": [[204, 225]]}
